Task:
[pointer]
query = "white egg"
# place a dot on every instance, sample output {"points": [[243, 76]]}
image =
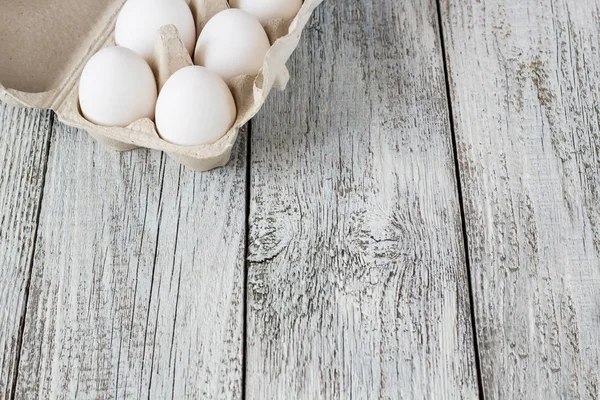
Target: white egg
{"points": [[195, 107], [139, 21], [232, 43], [266, 10], [117, 87]]}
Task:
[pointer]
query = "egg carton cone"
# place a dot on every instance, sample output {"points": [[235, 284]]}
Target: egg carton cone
{"points": [[41, 66]]}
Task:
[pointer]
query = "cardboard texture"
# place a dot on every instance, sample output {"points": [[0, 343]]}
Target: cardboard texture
{"points": [[45, 47]]}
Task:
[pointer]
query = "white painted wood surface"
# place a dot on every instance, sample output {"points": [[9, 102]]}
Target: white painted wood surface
{"points": [[525, 84], [357, 282], [23, 151], [132, 285], [137, 286]]}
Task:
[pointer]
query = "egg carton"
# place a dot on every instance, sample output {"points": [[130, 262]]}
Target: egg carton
{"points": [[42, 65]]}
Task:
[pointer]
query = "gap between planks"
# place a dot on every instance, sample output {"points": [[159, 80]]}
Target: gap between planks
{"points": [[460, 201], [246, 262]]}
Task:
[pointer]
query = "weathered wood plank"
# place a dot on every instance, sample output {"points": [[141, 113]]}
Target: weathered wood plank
{"points": [[357, 282], [24, 138], [525, 82], [137, 287]]}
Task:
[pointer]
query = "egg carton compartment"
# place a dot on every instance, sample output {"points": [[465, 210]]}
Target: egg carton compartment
{"points": [[170, 55]]}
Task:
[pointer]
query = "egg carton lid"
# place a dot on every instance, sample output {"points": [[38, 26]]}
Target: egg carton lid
{"points": [[44, 50]]}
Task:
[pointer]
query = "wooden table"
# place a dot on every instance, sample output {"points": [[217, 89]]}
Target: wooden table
{"points": [[417, 216]]}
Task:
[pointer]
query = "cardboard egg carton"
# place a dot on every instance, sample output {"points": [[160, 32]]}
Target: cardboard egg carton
{"points": [[44, 51]]}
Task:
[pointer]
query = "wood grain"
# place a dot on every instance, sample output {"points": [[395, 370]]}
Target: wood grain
{"points": [[357, 282], [24, 138], [137, 286], [525, 88]]}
